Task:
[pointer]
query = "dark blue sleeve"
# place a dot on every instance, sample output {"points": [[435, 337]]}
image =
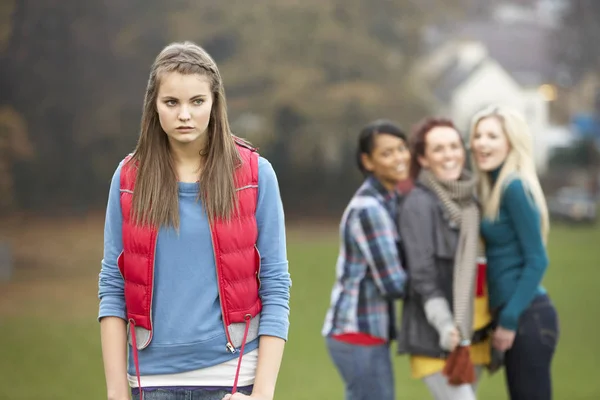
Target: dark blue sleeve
{"points": [[526, 220]]}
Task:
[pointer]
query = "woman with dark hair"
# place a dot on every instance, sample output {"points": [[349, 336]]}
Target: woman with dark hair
{"points": [[194, 275], [445, 317], [360, 321]]}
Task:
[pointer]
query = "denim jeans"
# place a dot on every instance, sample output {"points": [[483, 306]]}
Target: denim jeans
{"points": [[366, 370], [185, 394], [527, 363]]}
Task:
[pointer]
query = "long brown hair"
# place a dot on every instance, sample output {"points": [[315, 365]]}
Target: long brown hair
{"points": [[155, 198], [418, 138]]}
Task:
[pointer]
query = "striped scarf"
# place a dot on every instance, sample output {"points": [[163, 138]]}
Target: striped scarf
{"points": [[458, 201]]}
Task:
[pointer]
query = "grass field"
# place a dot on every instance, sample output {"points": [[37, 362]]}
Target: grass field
{"points": [[49, 336]]}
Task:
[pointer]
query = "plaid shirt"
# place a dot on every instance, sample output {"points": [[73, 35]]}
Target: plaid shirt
{"points": [[369, 273]]}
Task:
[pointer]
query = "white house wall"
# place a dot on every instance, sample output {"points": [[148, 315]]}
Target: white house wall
{"points": [[537, 114], [489, 84], [492, 84]]}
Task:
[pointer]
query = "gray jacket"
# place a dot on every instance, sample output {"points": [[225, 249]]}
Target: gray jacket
{"points": [[429, 240]]}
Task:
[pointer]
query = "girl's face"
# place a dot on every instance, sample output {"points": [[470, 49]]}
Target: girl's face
{"points": [[184, 103], [489, 144], [389, 160], [444, 153]]}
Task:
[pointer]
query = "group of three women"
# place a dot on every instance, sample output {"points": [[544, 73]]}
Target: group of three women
{"points": [[465, 252]]}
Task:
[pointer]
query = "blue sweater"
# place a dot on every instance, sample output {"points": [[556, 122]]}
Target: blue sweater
{"points": [[516, 254], [188, 330]]}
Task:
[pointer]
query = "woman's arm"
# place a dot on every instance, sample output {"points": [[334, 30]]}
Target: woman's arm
{"points": [[274, 275], [417, 233], [275, 282], [525, 218], [113, 333], [374, 233], [112, 313], [270, 353]]}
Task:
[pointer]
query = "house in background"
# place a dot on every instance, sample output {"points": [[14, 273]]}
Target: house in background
{"points": [[460, 78], [495, 61]]}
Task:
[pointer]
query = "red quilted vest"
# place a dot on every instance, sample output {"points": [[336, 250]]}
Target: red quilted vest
{"points": [[236, 256]]}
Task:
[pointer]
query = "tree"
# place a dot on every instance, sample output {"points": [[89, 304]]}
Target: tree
{"points": [[76, 71], [576, 46], [58, 73], [15, 146]]}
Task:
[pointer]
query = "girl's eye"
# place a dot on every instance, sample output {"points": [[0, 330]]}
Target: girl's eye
{"points": [[170, 103], [198, 102]]}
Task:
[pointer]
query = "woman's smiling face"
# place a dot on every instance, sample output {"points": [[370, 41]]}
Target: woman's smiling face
{"points": [[444, 153]]}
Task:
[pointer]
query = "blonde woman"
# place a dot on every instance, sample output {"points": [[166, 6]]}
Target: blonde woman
{"points": [[515, 227]]}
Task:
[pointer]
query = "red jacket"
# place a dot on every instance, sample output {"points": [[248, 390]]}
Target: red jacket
{"points": [[236, 256]]}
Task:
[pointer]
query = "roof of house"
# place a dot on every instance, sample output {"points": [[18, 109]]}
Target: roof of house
{"points": [[452, 76], [522, 48]]}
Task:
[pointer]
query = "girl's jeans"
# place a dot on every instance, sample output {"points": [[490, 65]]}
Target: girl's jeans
{"points": [[366, 370], [186, 394], [527, 363]]}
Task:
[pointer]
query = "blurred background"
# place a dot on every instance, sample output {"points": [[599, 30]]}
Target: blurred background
{"points": [[301, 78]]}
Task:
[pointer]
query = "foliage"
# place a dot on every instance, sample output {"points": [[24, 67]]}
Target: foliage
{"points": [[576, 45], [584, 153], [77, 71]]}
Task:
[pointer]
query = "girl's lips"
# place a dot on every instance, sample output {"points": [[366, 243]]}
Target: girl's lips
{"points": [[185, 128]]}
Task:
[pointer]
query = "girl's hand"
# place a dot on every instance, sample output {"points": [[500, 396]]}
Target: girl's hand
{"points": [[449, 338], [503, 339]]}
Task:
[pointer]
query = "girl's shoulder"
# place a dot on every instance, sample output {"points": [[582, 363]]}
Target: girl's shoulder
{"points": [[127, 171], [514, 184], [516, 191], [513, 181], [244, 143], [419, 197], [266, 172], [363, 201], [118, 170]]}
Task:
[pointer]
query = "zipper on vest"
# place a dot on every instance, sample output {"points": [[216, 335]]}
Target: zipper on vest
{"points": [[259, 267], [228, 346]]}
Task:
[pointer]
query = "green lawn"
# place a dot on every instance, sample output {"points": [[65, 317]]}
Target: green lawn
{"points": [[52, 357]]}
